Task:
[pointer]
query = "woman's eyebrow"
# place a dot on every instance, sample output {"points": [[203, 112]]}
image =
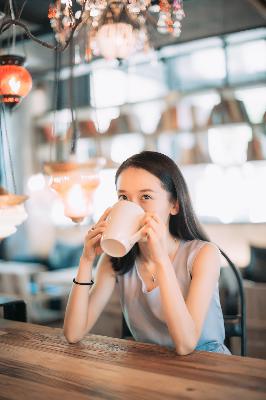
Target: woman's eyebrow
{"points": [[140, 191], [147, 190]]}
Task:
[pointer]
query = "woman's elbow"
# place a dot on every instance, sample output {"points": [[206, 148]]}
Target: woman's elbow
{"points": [[184, 350], [71, 339]]}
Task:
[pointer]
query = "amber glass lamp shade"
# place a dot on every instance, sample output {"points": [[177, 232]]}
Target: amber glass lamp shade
{"points": [[12, 212], [15, 80], [75, 184]]}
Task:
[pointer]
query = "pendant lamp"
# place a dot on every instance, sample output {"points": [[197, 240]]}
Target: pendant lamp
{"points": [[15, 80], [75, 184], [12, 212]]}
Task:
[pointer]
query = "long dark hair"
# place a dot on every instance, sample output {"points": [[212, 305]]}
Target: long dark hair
{"points": [[185, 224]]}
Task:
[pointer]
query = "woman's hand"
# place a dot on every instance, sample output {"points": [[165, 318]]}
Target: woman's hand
{"points": [[92, 240], [154, 233]]}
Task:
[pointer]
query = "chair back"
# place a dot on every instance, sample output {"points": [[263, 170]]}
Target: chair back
{"points": [[235, 324], [14, 309]]}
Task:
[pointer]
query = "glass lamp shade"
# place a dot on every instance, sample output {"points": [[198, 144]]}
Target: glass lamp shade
{"points": [[116, 40], [75, 184], [15, 80], [12, 212]]}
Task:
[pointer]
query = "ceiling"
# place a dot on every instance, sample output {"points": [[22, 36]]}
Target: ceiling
{"points": [[204, 18]]}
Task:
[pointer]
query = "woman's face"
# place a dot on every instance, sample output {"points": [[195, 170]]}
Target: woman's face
{"points": [[145, 189]]}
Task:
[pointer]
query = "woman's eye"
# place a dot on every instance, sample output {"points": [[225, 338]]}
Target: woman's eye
{"points": [[146, 197], [122, 197]]}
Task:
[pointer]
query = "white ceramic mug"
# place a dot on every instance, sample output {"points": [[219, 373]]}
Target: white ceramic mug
{"points": [[123, 228]]}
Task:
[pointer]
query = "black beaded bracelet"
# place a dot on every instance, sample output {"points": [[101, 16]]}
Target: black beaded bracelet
{"points": [[83, 283]]}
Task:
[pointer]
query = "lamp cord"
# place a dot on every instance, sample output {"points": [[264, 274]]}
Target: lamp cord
{"points": [[3, 132], [57, 68], [72, 104], [13, 26]]}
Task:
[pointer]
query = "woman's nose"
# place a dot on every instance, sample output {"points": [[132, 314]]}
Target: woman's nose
{"points": [[135, 200]]}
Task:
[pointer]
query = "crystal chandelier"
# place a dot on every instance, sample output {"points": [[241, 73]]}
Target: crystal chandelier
{"points": [[116, 28]]}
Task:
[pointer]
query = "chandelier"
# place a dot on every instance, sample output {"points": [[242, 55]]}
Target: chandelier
{"points": [[115, 28]]}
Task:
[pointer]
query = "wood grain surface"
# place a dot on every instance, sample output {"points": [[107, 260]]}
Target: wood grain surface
{"points": [[36, 363]]}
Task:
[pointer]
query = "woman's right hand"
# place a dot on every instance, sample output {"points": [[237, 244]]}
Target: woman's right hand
{"points": [[92, 246]]}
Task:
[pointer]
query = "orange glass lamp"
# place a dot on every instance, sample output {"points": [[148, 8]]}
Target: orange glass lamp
{"points": [[12, 212], [15, 80], [75, 184]]}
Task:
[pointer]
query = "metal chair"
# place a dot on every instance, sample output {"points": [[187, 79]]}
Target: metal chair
{"points": [[235, 324], [14, 309]]}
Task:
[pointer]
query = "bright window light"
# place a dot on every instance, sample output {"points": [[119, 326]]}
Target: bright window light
{"points": [[198, 104], [102, 117], [105, 195], [228, 144], [206, 65], [124, 146], [247, 58], [141, 88], [230, 194], [256, 178], [111, 87], [108, 87], [255, 102], [149, 115]]}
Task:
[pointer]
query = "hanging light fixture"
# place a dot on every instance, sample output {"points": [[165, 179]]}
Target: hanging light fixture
{"points": [[75, 183], [15, 80], [116, 28], [115, 41], [138, 19], [12, 212]]}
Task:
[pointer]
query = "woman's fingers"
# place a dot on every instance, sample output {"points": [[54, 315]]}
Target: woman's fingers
{"points": [[95, 229], [150, 217], [105, 214], [95, 239]]}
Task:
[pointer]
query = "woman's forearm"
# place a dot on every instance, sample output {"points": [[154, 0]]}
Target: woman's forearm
{"points": [[75, 322], [178, 319]]}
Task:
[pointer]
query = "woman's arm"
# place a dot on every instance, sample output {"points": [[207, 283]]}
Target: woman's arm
{"points": [[185, 317], [84, 304]]}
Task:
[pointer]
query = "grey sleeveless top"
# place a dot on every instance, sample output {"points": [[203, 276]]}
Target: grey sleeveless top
{"points": [[143, 310]]}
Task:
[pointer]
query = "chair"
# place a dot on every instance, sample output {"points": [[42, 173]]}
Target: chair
{"points": [[235, 323], [14, 309], [255, 293]]}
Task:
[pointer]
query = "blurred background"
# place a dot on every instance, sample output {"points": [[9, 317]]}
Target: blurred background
{"points": [[198, 95]]}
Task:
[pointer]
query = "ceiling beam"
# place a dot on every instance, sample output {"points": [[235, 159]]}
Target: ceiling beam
{"points": [[258, 5]]}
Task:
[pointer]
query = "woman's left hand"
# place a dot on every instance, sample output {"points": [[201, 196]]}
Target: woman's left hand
{"points": [[154, 232]]}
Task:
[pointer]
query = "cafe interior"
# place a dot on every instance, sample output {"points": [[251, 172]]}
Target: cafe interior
{"points": [[83, 86]]}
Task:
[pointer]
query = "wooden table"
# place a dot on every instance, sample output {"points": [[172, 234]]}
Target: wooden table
{"points": [[36, 363]]}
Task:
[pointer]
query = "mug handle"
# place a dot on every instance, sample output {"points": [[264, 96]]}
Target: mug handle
{"points": [[137, 237]]}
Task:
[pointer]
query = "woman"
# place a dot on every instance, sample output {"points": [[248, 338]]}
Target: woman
{"points": [[168, 282]]}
